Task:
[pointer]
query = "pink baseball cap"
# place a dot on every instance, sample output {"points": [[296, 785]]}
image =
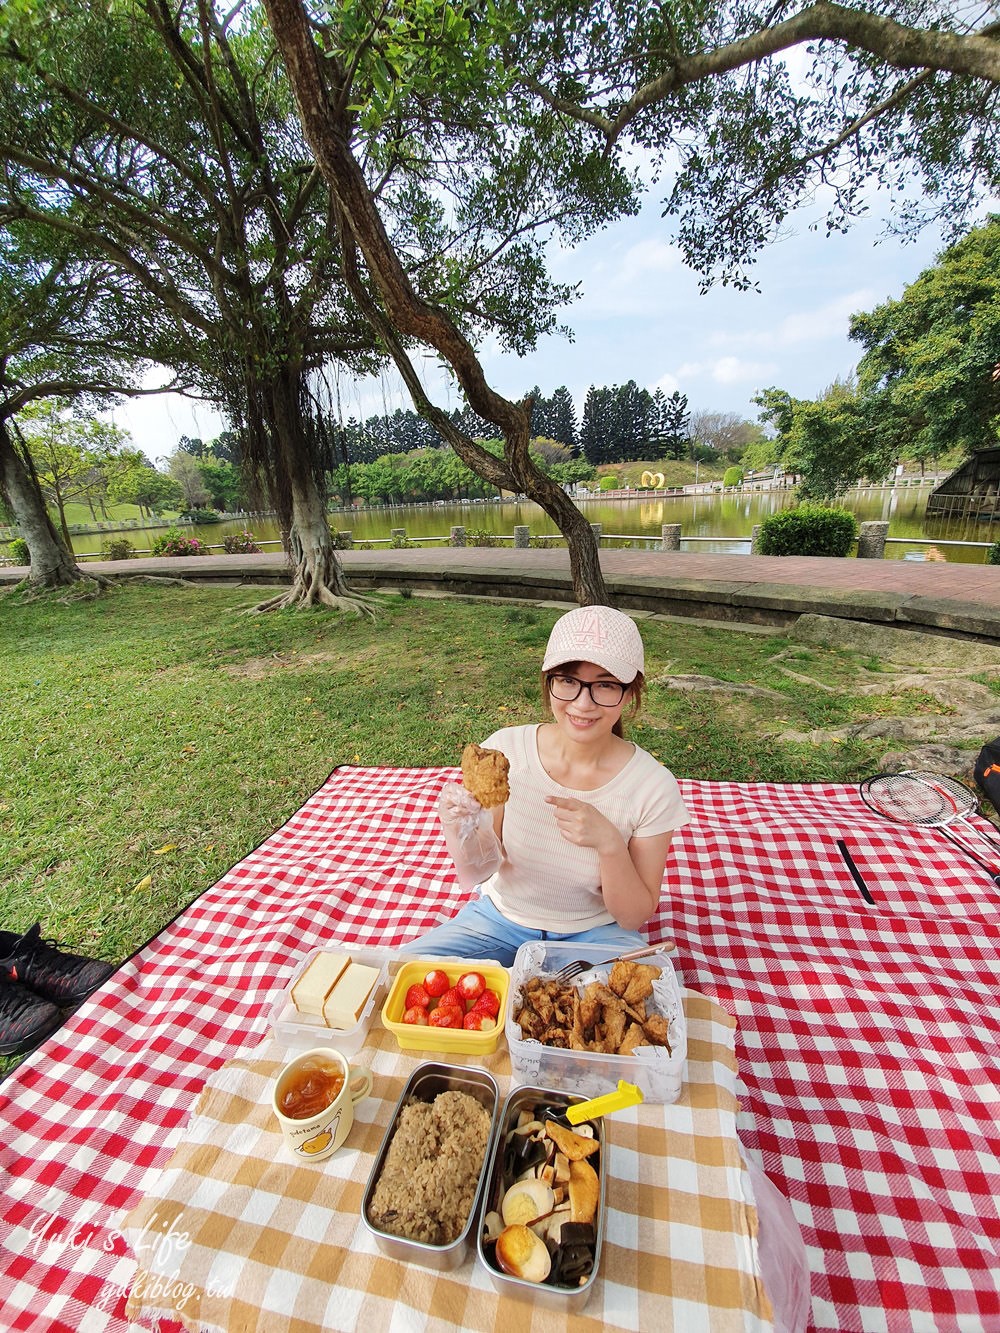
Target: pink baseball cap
{"points": [[597, 634]]}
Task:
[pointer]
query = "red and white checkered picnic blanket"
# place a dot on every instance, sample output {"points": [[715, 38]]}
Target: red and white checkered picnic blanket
{"points": [[868, 1038]]}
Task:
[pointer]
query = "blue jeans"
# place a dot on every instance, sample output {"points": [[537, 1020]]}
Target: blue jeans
{"points": [[480, 931]]}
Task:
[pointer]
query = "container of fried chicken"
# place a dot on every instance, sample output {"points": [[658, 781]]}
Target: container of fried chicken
{"points": [[608, 1023]]}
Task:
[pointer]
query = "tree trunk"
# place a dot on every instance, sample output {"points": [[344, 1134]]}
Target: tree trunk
{"points": [[318, 578], [62, 519], [584, 554], [52, 564]]}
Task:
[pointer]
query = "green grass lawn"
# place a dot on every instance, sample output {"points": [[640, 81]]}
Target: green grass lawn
{"points": [[153, 737], [80, 513]]}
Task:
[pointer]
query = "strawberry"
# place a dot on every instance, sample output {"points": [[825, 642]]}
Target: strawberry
{"points": [[446, 1016], [416, 1013], [488, 1003], [436, 982], [470, 986], [452, 999], [417, 995], [476, 1021]]}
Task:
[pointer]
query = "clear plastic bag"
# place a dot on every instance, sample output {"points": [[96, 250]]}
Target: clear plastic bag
{"points": [[469, 835], [784, 1267]]}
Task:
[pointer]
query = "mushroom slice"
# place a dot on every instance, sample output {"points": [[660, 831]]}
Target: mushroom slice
{"points": [[492, 1225], [584, 1191], [523, 1254], [575, 1146], [526, 1201], [550, 1228]]}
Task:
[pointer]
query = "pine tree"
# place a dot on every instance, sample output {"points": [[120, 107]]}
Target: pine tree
{"points": [[562, 425], [596, 430], [675, 426]]}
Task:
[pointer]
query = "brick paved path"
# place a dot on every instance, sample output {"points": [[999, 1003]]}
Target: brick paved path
{"points": [[951, 598]]}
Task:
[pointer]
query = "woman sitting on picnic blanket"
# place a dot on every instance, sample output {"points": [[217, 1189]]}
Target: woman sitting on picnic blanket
{"points": [[578, 850]]}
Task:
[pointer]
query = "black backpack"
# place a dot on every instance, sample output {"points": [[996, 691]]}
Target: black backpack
{"points": [[987, 772]]}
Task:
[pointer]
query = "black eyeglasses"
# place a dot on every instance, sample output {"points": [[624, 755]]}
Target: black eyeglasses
{"points": [[605, 693]]}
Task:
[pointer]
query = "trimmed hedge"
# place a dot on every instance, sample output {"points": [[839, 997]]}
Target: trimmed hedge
{"points": [[808, 529]]}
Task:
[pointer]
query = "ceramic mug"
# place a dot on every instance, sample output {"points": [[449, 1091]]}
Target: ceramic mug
{"points": [[322, 1089]]}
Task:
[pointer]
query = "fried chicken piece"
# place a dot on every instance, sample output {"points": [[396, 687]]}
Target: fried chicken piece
{"points": [[530, 1022], [656, 1030], [614, 1029], [577, 1036], [590, 1012], [598, 991], [640, 983], [621, 975], [633, 1037], [484, 773]]}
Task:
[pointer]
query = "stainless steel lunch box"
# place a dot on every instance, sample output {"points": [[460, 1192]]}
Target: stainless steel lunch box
{"points": [[423, 1085], [538, 1293]]}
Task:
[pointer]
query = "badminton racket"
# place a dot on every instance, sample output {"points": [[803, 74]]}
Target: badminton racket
{"points": [[932, 801]]}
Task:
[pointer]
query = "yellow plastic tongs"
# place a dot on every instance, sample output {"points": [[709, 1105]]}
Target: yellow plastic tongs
{"points": [[627, 1095]]}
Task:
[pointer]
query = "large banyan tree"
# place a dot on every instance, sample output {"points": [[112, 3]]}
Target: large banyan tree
{"points": [[163, 139], [173, 131], [61, 336]]}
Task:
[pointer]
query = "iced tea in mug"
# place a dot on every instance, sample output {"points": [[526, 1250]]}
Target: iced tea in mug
{"points": [[314, 1099], [312, 1086]]}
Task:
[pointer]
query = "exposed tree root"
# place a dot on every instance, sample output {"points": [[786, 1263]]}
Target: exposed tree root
{"points": [[166, 580], [85, 589], [306, 592]]}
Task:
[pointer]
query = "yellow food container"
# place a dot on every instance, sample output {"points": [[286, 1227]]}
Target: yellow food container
{"points": [[446, 1041]]}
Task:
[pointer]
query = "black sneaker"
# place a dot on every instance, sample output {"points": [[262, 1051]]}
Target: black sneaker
{"points": [[63, 978], [25, 1018]]}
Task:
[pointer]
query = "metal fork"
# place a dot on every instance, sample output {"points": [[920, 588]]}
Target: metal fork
{"points": [[573, 969]]}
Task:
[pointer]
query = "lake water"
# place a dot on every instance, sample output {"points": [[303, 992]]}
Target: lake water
{"points": [[718, 522]]}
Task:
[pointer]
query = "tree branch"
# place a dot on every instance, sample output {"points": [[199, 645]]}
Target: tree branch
{"points": [[976, 55], [849, 132]]}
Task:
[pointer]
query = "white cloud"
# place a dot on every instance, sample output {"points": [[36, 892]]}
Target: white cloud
{"points": [[648, 256], [724, 370], [619, 282], [829, 320]]}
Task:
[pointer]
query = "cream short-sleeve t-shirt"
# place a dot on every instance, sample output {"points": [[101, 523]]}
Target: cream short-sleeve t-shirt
{"points": [[545, 882]]}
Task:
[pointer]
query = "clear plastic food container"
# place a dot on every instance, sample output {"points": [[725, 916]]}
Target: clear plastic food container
{"points": [[293, 1029], [659, 1073]]}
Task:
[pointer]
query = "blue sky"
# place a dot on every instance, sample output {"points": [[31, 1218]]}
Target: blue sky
{"points": [[642, 317]]}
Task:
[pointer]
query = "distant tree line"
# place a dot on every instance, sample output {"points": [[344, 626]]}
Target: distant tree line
{"points": [[439, 474], [620, 423]]}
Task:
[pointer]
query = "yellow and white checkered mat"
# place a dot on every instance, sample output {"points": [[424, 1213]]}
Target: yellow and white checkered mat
{"points": [[234, 1236]]}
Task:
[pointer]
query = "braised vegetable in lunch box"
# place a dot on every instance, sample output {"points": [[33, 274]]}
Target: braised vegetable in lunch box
{"points": [[541, 1222]]}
